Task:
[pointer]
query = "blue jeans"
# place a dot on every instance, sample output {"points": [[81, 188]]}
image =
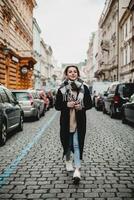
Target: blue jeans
{"points": [[73, 143]]}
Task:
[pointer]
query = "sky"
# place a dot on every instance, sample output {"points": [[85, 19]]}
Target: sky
{"points": [[67, 25]]}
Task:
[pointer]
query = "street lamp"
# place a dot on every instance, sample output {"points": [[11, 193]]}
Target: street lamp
{"points": [[24, 69]]}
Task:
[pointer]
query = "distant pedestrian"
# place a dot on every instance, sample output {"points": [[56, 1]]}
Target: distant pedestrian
{"points": [[73, 99], [50, 97]]}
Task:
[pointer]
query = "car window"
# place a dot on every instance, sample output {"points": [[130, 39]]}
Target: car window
{"points": [[10, 96], [112, 89], [121, 89], [37, 95], [1, 99], [33, 95], [21, 96], [128, 90], [132, 98], [4, 95]]}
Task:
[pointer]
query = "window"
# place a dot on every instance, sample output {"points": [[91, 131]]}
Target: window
{"points": [[1, 99], [33, 95], [131, 52], [126, 30], [10, 96], [21, 96], [4, 95], [122, 34], [128, 54], [129, 89], [120, 89], [112, 89], [132, 98], [131, 24], [126, 58]]}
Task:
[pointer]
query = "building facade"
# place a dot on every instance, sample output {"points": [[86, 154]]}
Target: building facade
{"points": [[92, 57], [90, 60], [37, 54], [16, 43], [44, 66], [47, 64], [126, 40], [116, 49], [108, 24]]}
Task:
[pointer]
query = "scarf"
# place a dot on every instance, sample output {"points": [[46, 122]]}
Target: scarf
{"points": [[68, 88]]}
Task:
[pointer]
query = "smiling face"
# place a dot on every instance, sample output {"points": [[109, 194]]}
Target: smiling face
{"points": [[72, 73]]}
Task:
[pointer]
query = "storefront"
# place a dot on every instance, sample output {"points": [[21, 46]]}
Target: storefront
{"points": [[15, 72]]}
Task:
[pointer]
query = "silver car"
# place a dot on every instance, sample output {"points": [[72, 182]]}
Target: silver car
{"points": [[11, 114], [30, 102]]}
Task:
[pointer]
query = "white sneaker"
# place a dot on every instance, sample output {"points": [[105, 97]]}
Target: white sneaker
{"points": [[76, 176], [69, 166]]}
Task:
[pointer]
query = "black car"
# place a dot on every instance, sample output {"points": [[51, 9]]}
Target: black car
{"points": [[128, 111], [117, 94], [11, 114]]}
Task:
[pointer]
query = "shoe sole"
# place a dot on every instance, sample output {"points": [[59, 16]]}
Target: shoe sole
{"points": [[76, 180], [70, 170]]}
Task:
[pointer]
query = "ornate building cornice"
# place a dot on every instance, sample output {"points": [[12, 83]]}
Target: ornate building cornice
{"points": [[7, 14], [11, 10]]}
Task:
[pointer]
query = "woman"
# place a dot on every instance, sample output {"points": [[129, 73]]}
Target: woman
{"points": [[73, 99]]}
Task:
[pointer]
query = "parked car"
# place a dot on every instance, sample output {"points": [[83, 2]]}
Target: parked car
{"points": [[11, 114], [117, 94], [98, 87], [30, 102], [128, 111]]}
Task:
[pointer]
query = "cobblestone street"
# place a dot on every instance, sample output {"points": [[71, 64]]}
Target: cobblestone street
{"points": [[32, 166]]}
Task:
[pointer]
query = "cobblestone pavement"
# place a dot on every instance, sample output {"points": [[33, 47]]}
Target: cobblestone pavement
{"points": [[39, 172]]}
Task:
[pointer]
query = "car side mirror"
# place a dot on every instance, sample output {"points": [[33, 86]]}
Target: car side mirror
{"points": [[16, 102], [105, 94]]}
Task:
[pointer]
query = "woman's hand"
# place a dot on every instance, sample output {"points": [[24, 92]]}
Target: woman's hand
{"points": [[70, 104], [78, 106]]}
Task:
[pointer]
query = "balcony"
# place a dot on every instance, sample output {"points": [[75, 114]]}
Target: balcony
{"points": [[105, 45], [113, 37]]}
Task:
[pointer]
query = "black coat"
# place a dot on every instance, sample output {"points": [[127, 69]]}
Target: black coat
{"points": [[80, 118]]}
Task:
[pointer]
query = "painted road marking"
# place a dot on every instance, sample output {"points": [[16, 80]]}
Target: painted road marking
{"points": [[12, 167]]}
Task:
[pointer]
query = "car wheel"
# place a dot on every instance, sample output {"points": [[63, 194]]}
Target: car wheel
{"points": [[97, 108], [104, 109], [38, 115], [43, 113], [3, 134], [124, 121], [20, 127], [112, 113]]}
